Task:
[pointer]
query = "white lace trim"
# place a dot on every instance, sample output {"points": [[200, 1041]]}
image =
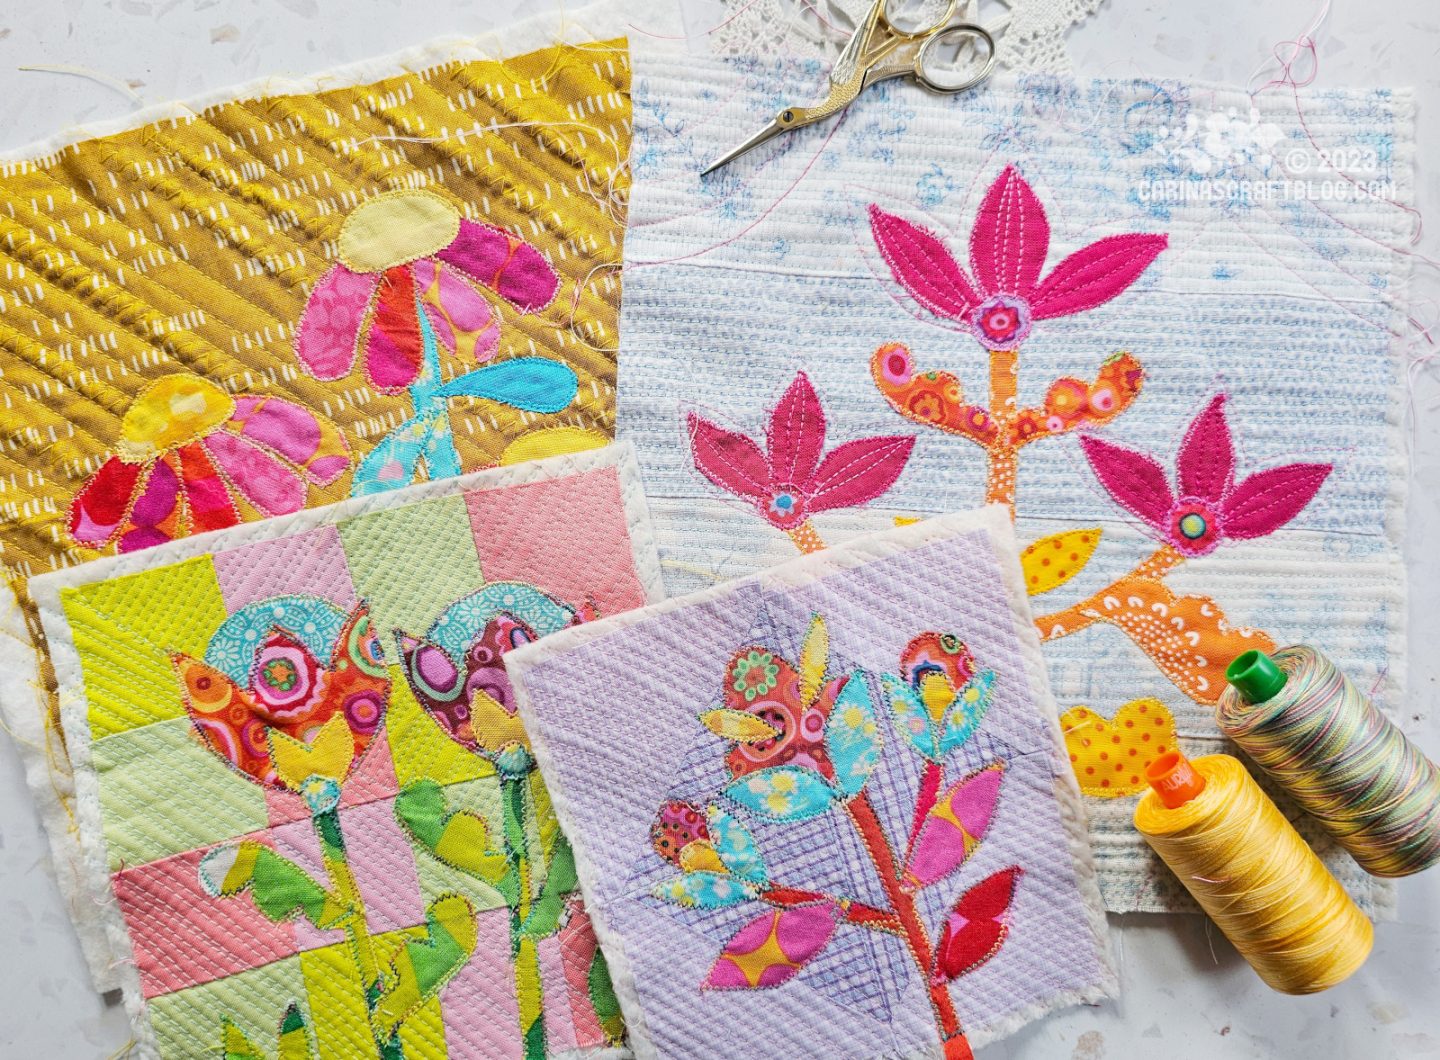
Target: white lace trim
{"points": [[1030, 34]]}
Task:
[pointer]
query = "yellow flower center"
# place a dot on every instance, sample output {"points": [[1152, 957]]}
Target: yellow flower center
{"points": [[395, 228], [171, 411]]}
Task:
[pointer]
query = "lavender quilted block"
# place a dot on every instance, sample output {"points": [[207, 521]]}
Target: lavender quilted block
{"points": [[827, 807]]}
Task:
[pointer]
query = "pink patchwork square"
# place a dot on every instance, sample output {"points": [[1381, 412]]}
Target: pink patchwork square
{"points": [[182, 936], [566, 536], [314, 560], [380, 858], [482, 1017]]}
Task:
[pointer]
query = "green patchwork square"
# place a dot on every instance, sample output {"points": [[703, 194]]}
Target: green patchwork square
{"points": [[124, 631], [162, 791], [411, 563], [187, 1022]]}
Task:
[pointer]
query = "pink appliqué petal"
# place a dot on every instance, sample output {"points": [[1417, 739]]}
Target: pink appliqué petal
{"points": [[292, 431], [260, 478], [394, 349], [510, 267], [795, 435], [1135, 481], [328, 334], [464, 322], [799, 933], [922, 265], [1010, 238], [859, 471], [731, 461], [1095, 274], [940, 847], [1267, 500], [155, 504], [1205, 465]]}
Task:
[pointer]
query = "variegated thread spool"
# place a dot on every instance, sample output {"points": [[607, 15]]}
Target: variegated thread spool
{"points": [[1343, 761]]}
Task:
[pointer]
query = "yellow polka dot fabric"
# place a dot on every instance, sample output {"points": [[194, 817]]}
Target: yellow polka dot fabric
{"points": [[1109, 755]]}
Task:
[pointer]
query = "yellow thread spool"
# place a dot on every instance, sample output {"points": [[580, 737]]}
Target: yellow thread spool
{"points": [[1252, 873]]}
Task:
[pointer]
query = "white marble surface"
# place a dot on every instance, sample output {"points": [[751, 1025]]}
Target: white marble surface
{"points": [[1186, 994]]}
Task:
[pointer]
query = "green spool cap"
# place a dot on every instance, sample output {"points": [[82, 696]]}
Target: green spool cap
{"points": [[1255, 676]]}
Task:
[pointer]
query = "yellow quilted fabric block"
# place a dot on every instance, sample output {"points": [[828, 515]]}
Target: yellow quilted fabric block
{"points": [[152, 357]]}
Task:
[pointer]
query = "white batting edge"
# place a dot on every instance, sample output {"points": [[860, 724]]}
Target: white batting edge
{"points": [[654, 23], [85, 878], [994, 521]]}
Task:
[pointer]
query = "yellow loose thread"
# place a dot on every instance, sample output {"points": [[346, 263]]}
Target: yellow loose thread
{"points": [[1258, 880]]}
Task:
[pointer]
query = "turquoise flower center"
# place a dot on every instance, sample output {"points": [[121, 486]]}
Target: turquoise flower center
{"points": [[1193, 526]]}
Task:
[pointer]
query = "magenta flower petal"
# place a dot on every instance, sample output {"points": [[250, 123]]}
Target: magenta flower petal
{"points": [[508, 266], [772, 948], [1206, 463], [1095, 274], [1267, 500], [795, 435], [1011, 237], [270, 486], [731, 461], [1134, 480], [921, 264], [859, 471], [463, 321], [329, 331]]}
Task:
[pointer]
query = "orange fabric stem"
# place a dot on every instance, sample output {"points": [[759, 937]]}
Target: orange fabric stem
{"points": [[1076, 617], [805, 538], [1004, 382], [902, 902]]}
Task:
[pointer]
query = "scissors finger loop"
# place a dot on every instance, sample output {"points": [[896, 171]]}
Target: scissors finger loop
{"points": [[935, 74]]}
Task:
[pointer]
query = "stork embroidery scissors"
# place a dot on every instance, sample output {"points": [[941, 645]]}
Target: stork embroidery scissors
{"points": [[878, 51]]}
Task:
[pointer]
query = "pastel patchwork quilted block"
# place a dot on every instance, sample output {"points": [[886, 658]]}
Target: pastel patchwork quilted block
{"points": [[309, 815], [825, 810], [285, 294]]}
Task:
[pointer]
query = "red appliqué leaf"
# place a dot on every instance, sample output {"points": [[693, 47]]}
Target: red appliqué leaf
{"points": [[977, 925]]}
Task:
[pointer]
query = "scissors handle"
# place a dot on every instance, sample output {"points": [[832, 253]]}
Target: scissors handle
{"points": [[919, 58]]}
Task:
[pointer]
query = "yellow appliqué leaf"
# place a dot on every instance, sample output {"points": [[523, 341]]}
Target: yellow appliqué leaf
{"points": [[1054, 560], [328, 755], [738, 725], [814, 658]]}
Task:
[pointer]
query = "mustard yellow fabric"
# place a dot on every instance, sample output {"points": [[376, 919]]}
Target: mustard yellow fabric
{"points": [[192, 245]]}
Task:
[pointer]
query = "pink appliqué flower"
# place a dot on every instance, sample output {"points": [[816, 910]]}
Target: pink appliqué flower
{"points": [[1008, 245], [791, 480], [189, 453], [430, 260], [1208, 506]]}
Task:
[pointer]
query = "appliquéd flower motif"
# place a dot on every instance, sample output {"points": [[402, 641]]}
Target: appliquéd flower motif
{"points": [[718, 858], [405, 254], [408, 284], [794, 478], [1004, 293], [1207, 506], [458, 676], [802, 740], [940, 696], [190, 455], [298, 724]]}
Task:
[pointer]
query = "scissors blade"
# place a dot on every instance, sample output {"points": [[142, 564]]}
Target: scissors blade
{"points": [[772, 130]]}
